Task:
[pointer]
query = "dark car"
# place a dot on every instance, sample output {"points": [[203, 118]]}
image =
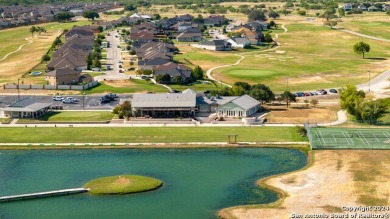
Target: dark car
{"points": [[333, 91], [104, 99], [112, 96], [299, 94]]}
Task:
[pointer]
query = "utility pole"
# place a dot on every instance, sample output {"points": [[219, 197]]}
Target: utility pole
{"points": [[369, 81], [18, 89]]}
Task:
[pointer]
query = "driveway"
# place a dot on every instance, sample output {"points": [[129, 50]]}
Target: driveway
{"points": [[113, 59]]}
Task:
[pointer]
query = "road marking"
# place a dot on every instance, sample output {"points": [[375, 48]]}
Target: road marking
{"points": [[362, 137]]}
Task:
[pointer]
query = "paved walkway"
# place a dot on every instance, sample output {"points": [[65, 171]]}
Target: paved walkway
{"points": [[149, 144], [164, 85], [19, 48], [341, 118]]}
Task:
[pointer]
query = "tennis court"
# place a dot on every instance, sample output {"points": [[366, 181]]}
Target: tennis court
{"points": [[349, 138]]}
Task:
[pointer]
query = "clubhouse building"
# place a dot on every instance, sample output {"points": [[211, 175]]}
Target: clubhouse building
{"points": [[26, 108], [188, 103]]}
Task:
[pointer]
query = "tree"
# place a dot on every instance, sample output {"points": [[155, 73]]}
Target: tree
{"points": [[177, 79], [330, 23], [354, 102], [163, 78], [301, 12], [156, 17], [97, 63], [40, 30], [361, 48], [63, 16], [329, 14], [256, 14], [350, 99], [100, 28], [32, 30], [123, 110], [197, 73], [288, 97], [373, 110], [46, 58], [273, 14], [130, 7], [314, 102], [244, 85], [90, 15], [237, 91], [341, 12], [261, 93], [268, 38]]}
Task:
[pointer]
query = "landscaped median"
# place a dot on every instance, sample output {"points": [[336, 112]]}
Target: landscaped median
{"points": [[95, 136]]}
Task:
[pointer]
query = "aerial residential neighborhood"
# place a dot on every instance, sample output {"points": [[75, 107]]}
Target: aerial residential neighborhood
{"points": [[194, 109]]}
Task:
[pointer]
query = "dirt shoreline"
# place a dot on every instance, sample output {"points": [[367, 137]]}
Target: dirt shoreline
{"points": [[332, 179]]}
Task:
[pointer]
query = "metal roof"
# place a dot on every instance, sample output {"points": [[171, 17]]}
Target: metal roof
{"points": [[246, 102], [30, 108], [164, 100]]}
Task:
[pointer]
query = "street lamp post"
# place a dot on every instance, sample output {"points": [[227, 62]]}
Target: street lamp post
{"points": [[84, 100], [18, 89]]}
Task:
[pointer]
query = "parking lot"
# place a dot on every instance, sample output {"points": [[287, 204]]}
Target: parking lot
{"points": [[89, 103]]}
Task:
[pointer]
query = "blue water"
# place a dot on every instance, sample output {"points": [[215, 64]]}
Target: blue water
{"points": [[197, 182]]}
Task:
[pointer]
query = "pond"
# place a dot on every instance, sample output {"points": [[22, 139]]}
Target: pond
{"points": [[197, 182]]}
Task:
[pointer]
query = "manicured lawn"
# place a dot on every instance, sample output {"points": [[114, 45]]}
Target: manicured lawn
{"points": [[374, 24], [123, 184], [132, 86], [72, 116], [147, 134], [199, 86], [326, 62]]}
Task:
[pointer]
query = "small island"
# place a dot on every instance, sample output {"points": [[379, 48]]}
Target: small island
{"points": [[124, 184]]}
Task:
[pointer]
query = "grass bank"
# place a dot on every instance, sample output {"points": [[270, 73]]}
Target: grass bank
{"points": [[72, 116], [122, 185], [126, 86], [148, 134]]}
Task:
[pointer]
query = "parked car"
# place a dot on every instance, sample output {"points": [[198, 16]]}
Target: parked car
{"points": [[299, 94], [321, 92], [111, 95], [313, 93], [307, 94], [72, 99], [144, 77], [67, 101], [104, 100], [333, 91], [58, 98]]}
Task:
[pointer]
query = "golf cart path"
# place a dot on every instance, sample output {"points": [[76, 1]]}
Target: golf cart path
{"points": [[17, 50], [209, 72], [166, 86], [364, 35]]}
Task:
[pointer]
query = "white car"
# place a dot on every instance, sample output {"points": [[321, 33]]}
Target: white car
{"points": [[58, 98], [72, 99]]}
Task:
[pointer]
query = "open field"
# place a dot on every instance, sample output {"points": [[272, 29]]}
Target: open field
{"points": [[193, 57], [308, 64], [298, 113], [72, 116], [147, 135], [20, 62], [127, 86], [335, 179]]}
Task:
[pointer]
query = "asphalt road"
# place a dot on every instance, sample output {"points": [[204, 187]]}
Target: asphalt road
{"points": [[113, 59], [90, 102]]}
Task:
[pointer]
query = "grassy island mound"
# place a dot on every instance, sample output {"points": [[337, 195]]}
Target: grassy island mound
{"points": [[124, 184]]}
